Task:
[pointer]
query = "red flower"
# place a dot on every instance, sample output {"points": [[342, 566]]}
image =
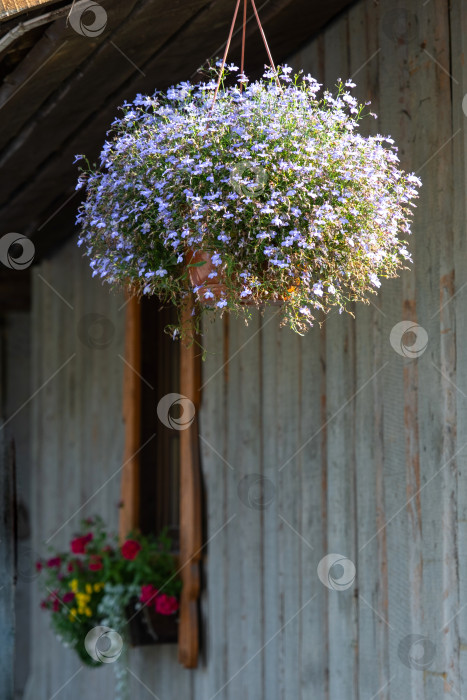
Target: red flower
{"points": [[148, 593], [166, 604], [74, 564], [39, 566], [95, 562], [78, 545], [68, 597], [44, 605], [130, 549], [55, 561], [54, 599]]}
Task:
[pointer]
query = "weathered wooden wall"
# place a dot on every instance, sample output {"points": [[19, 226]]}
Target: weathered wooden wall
{"points": [[360, 451]]}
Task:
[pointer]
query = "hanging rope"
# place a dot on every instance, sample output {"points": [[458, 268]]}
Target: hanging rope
{"points": [[242, 63], [264, 39], [229, 39], [227, 47]]}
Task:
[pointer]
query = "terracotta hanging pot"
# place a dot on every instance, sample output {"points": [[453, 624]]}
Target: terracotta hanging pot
{"points": [[200, 266]]}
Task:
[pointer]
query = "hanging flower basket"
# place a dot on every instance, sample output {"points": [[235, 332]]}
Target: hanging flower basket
{"points": [[267, 194]]}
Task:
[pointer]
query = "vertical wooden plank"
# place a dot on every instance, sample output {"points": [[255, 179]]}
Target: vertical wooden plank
{"points": [[243, 537], [373, 629], [190, 507], [289, 443], [314, 641], [63, 277], [36, 668], [399, 427], [233, 541], [7, 565], [340, 382], [271, 609], [458, 28], [313, 635], [18, 390], [212, 672], [51, 468], [428, 392], [252, 500]]}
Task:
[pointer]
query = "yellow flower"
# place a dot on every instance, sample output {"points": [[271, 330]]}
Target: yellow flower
{"points": [[88, 612], [74, 585], [98, 587], [88, 588], [72, 615]]}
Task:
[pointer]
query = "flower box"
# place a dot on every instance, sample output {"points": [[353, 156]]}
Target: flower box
{"points": [[146, 626], [111, 593]]}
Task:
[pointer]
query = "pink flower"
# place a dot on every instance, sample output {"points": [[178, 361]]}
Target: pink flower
{"points": [[39, 566], [166, 604], [68, 597], [53, 562], [148, 593], [78, 545], [95, 562], [130, 549]]}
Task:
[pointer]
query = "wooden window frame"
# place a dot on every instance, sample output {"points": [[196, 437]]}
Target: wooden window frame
{"points": [[190, 476]]}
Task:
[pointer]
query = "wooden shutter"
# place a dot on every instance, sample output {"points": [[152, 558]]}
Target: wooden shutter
{"points": [[190, 478], [190, 510]]}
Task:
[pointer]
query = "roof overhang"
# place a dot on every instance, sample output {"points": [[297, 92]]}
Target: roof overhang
{"points": [[60, 89]]}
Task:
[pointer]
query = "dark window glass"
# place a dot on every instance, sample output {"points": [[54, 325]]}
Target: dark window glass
{"points": [[159, 460]]}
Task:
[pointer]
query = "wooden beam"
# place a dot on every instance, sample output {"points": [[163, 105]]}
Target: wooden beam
{"points": [[129, 512], [190, 510]]}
